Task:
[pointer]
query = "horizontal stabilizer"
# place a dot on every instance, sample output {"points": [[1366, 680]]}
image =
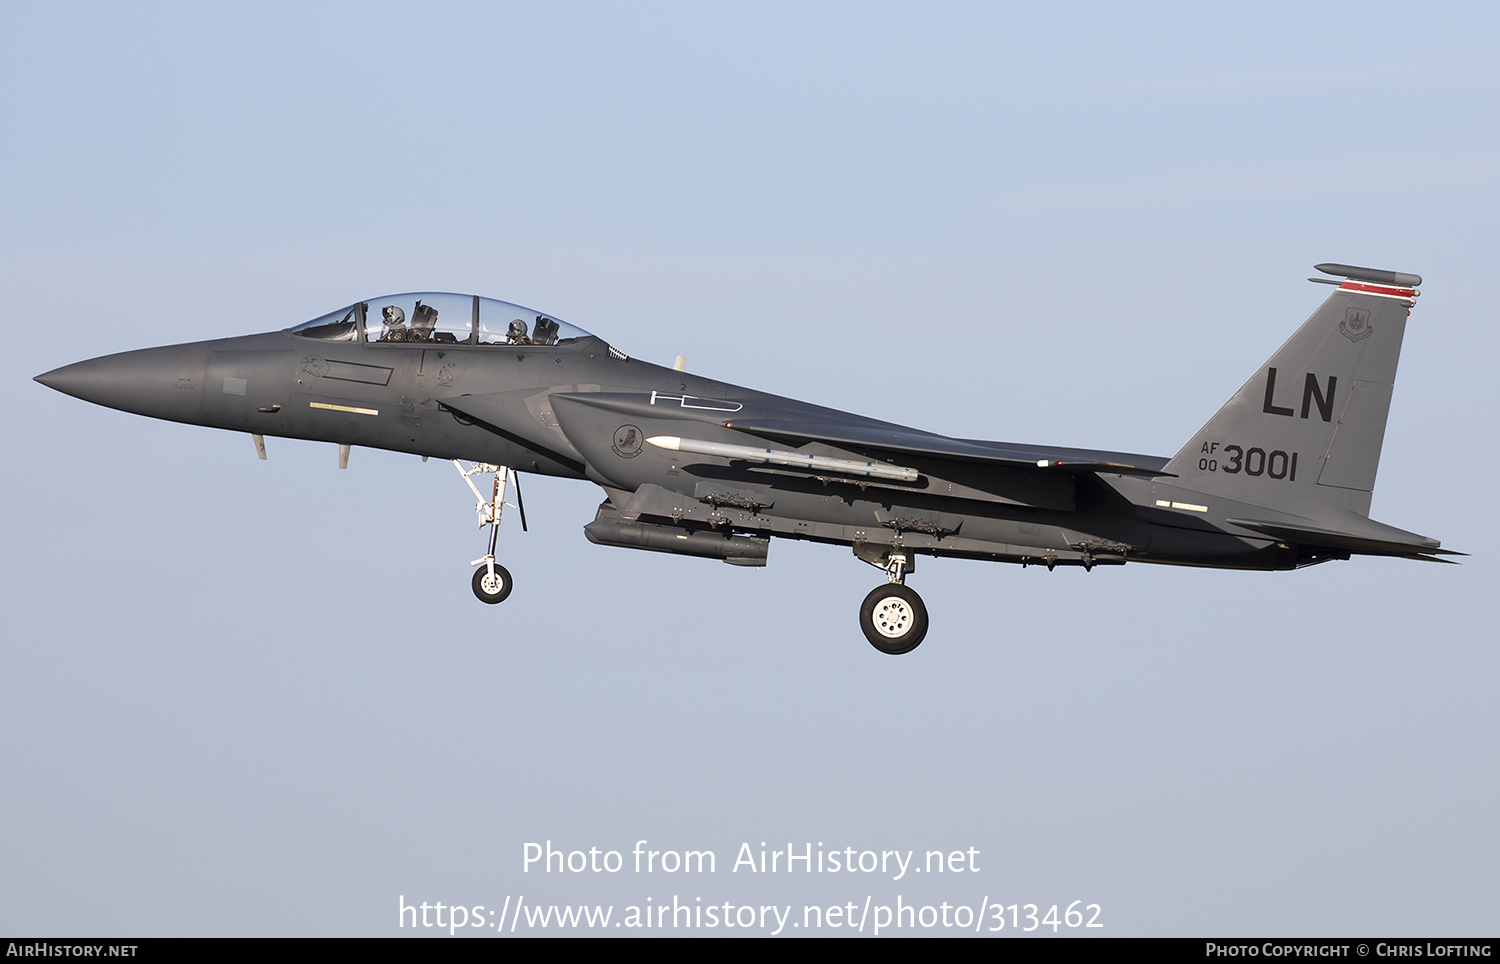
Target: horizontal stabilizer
{"points": [[1374, 538]]}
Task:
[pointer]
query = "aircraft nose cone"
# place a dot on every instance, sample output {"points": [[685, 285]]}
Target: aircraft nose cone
{"points": [[159, 382], [77, 380]]}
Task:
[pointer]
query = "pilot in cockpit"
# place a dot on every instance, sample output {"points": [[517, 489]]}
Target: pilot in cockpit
{"points": [[394, 324], [517, 333]]}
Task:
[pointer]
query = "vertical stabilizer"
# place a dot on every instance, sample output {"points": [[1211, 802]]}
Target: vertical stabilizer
{"points": [[1305, 431]]}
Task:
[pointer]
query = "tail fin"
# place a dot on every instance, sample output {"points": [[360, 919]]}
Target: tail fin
{"points": [[1306, 429]]}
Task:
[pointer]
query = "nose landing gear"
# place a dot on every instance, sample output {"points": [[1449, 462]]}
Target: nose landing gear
{"points": [[893, 617], [492, 582]]}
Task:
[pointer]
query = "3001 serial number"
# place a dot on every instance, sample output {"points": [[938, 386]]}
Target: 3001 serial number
{"points": [[1255, 461]]}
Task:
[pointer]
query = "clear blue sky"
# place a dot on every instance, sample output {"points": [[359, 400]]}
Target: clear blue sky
{"points": [[257, 698]]}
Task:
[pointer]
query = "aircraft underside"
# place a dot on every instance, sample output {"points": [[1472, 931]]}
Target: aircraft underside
{"points": [[735, 523]]}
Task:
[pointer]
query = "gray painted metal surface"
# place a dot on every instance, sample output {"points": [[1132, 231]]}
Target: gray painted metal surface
{"points": [[1280, 477]]}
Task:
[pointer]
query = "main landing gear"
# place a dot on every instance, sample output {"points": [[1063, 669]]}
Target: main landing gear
{"points": [[492, 582], [893, 617]]}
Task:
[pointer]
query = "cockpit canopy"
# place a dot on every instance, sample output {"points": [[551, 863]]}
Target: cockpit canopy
{"points": [[440, 318]]}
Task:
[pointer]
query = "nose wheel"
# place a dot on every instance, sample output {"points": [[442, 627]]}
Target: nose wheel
{"points": [[492, 582]]}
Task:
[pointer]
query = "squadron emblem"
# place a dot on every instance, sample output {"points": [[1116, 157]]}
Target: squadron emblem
{"points": [[628, 441], [1356, 324]]}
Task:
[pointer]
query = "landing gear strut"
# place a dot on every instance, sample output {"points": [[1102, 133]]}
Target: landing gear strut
{"points": [[491, 582], [893, 617]]}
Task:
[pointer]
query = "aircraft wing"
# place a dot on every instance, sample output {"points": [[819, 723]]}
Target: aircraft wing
{"points": [[895, 440]]}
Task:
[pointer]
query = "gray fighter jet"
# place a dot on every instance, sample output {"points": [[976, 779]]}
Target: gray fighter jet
{"points": [[1280, 478]]}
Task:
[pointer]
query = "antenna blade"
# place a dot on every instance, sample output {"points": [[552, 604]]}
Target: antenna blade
{"points": [[520, 502]]}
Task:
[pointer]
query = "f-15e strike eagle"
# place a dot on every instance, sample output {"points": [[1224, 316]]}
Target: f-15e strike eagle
{"points": [[1280, 478]]}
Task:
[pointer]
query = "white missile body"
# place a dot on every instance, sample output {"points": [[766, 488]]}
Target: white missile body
{"points": [[873, 470]]}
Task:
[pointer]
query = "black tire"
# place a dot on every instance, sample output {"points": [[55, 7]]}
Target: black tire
{"points": [[894, 619], [482, 592]]}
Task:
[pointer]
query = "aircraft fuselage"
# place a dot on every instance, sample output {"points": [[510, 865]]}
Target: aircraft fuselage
{"points": [[536, 417]]}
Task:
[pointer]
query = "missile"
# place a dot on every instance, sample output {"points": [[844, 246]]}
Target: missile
{"points": [[873, 470]]}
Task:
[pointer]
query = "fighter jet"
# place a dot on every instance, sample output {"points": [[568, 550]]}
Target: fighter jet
{"points": [[1280, 478]]}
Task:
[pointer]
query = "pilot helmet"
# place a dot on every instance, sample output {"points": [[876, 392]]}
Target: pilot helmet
{"points": [[518, 329], [393, 315]]}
